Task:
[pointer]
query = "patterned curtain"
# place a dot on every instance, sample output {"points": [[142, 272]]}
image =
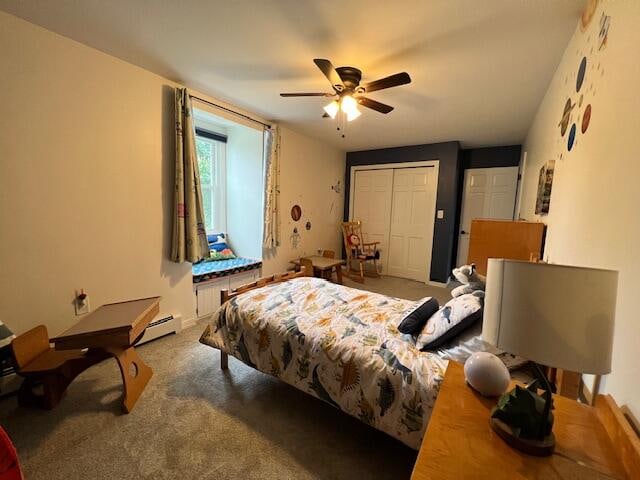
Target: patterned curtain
{"points": [[189, 241], [271, 233]]}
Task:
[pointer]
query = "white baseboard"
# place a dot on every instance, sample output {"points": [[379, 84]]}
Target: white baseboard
{"points": [[162, 325], [189, 322], [436, 284]]}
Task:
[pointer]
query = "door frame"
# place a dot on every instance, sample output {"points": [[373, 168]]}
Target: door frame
{"points": [[435, 164]]}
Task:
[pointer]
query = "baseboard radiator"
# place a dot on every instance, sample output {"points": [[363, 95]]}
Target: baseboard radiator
{"points": [[162, 326]]}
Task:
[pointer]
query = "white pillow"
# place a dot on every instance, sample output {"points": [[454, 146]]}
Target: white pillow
{"points": [[449, 321]]}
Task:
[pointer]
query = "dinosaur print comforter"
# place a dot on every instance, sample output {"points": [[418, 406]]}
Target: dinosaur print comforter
{"points": [[339, 344]]}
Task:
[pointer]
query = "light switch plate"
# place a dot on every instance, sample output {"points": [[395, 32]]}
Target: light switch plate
{"points": [[440, 214]]}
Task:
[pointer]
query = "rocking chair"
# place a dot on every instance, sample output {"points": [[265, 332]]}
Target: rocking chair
{"points": [[359, 251]]}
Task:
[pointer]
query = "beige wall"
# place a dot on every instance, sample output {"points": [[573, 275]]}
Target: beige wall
{"points": [[308, 169], [86, 162], [593, 218]]}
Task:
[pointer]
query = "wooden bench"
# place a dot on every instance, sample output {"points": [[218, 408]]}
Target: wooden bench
{"points": [[39, 363]]}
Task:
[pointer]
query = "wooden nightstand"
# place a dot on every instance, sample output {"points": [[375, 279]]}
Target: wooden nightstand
{"points": [[460, 444]]}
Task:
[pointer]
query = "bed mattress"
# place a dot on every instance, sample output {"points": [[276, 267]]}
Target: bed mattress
{"points": [[338, 344]]}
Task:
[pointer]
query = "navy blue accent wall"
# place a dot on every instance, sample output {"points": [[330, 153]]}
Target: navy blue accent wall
{"points": [[487, 157], [450, 156]]}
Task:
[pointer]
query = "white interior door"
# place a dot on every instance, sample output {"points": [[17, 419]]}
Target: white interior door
{"points": [[412, 223], [372, 206], [487, 193]]}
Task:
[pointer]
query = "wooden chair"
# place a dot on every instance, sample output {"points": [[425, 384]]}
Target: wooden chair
{"points": [[306, 264], [359, 251], [39, 364]]}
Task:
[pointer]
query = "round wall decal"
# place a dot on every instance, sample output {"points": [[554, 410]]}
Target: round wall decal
{"points": [[586, 118], [581, 71], [296, 213], [572, 137]]}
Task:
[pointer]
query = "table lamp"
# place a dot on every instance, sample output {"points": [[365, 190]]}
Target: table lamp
{"points": [[555, 315]]}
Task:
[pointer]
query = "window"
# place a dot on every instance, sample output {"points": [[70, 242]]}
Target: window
{"points": [[211, 153]]}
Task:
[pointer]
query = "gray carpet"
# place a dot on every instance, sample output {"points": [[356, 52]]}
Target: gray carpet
{"points": [[197, 422]]}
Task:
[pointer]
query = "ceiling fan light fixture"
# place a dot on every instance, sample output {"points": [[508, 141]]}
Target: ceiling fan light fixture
{"points": [[332, 109], [349, 106], [353, 114]]}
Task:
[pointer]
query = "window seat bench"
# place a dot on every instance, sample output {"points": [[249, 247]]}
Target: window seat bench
{"points": [[210, 278], [204, 271]]}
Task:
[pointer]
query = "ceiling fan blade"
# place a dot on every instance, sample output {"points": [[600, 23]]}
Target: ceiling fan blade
{"points": [[326, 67], [377, 106], [388, 82], [307, 94]]}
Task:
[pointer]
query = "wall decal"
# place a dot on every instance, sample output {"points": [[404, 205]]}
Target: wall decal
{"points": [[566, 114], [572, 137], [586, 118], [588, 75], [296, 213], [587, 14], [603, 35], [294, 238], [581, 71], [545, 183]]}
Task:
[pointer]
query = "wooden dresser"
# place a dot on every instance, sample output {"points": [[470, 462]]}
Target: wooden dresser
{"points": [[460, 444]]}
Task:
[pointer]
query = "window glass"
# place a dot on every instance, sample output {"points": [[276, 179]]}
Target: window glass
{"points": [[206, 165]]}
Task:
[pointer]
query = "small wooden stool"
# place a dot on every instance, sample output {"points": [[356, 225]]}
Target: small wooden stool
{"points": [[38, 363]]}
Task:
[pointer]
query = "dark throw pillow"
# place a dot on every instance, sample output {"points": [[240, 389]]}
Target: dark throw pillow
{"points": [[417, 318], [457, 315]]}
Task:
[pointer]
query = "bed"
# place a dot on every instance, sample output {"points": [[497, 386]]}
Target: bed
{"points": [[338, 344]]}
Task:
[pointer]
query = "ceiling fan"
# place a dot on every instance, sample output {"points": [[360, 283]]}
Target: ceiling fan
{"points": [[346, 85]]}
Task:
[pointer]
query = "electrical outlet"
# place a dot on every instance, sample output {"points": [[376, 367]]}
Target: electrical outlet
{"points": [[81, 306]]}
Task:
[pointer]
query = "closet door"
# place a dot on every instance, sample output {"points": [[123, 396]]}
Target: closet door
{"points": [[412, 222], [372, 206]]}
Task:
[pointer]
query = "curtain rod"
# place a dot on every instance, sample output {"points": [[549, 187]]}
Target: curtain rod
{"points": [[230, 111]]}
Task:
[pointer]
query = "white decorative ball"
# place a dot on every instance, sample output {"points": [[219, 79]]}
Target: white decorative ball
{"points": [[486, 374]]}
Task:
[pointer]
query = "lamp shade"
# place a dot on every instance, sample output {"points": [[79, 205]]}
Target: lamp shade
{"points": [[556, 315]]}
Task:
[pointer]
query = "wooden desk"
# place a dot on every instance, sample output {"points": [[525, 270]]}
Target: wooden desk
{"points": [[113, 330], [460, 444], [324, 264]]}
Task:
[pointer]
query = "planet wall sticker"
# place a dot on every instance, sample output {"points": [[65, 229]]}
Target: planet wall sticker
{"points": [[572, 137], [587, 14], [566, 114], [586, 118], [582, 69], [603, 35], [595, 40]]}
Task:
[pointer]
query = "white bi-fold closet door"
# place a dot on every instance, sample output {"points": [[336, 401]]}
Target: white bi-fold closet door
{"points": [[397, 209]]}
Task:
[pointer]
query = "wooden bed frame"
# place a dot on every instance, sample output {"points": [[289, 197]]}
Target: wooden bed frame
{"points": [[618, 427], [621, 433], [226, 295]]}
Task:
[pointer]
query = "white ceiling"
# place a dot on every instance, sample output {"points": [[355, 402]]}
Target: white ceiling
{"points": [[479, 68]]}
